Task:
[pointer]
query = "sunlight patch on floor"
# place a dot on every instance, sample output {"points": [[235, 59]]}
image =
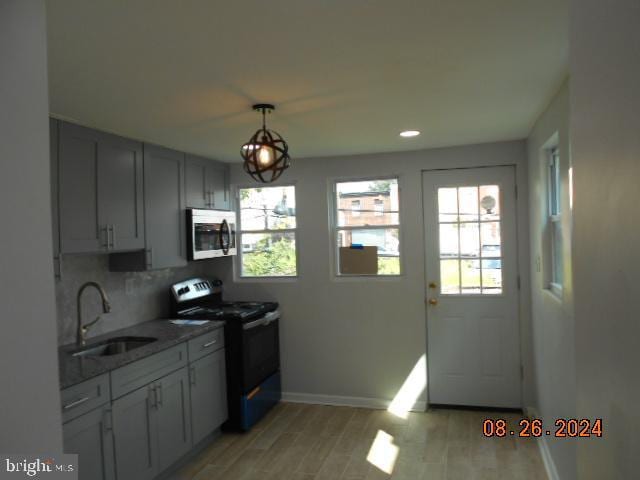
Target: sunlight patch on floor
{"points": [[383, 453], [411, 390]]}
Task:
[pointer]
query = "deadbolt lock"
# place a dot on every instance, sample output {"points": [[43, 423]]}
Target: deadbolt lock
{"points": [[433, 285]]}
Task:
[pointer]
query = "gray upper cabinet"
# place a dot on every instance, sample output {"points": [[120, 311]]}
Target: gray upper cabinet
{"points": [[208, 394], [91, 437], [78, 190], [206, 183], [120, 192], [100, 191], [165, 235]]}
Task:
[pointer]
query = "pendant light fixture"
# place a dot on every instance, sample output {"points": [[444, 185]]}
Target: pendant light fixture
{"points": [[266, 154]]}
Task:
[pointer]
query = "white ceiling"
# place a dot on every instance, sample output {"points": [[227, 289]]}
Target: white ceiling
{"points": [[346, 75]]}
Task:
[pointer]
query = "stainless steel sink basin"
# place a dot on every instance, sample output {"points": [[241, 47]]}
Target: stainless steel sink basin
{"points": [[114, 346]]}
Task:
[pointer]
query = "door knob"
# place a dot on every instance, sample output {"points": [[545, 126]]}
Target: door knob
{"points": [[433, 301]]}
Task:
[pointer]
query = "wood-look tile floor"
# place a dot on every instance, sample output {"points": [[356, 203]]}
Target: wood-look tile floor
{"points": [[318, 442]]}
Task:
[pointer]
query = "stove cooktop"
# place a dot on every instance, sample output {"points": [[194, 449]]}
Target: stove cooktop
{"points": [[229, 311]]}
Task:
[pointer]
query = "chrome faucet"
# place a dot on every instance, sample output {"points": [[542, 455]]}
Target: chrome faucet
{"points": [[106, 308]]}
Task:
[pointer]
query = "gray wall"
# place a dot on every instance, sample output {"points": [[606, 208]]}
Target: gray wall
{"points": [[134, 297], [29, 400], [552, 319], [362, 337], [605, 143]]}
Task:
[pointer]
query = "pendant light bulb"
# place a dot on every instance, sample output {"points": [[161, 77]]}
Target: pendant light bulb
{"points": [[265, 156]]}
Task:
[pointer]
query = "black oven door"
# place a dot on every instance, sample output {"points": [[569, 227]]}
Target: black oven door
{"points": [[261, 351]]}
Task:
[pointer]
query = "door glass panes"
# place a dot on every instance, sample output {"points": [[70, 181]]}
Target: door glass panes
{"points": [[470, 240]]}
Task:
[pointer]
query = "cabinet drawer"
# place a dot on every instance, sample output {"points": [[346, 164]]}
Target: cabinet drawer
{"points": [[84, 397], [141, 372], [207, 343]]}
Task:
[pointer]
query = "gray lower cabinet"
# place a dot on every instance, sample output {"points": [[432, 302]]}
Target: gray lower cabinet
{"points": [[165, 234], [208, 394], [152, 427], [90, 436], [136, 433], [100, 191], [206, 183], [173, 418]]}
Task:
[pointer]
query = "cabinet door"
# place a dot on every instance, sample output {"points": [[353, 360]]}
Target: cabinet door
{"points": [[78, 169], [120, 195], [196, 183], [218, 175], [91, 437], [164, 207], [173, 417], [208, 394], [136, 437]]}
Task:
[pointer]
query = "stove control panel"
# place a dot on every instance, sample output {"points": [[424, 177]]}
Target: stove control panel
{"points": [[194, 288]]}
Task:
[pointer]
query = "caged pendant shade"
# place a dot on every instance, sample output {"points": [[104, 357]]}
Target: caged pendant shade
{"points": [[266, 154]]}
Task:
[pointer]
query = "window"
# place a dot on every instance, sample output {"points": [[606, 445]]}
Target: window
{"points": [[367, 227], [555, 223], [378, 207], [355, 208], [469, 240], [268, 232]]}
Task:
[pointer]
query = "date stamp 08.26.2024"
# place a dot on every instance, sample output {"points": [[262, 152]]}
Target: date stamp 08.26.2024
{"points": [[563, 428]]}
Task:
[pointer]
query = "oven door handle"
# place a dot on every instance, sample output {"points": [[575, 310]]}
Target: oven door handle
{"points": [[266, 320]]}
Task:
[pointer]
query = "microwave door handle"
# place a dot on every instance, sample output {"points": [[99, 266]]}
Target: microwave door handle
{"points": [[225, 231]]}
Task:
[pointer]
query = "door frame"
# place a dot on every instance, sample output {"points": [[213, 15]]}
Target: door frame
{"points": [[518, 268]]}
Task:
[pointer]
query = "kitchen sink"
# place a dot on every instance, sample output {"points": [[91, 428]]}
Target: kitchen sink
{"points": [[114, 346]]}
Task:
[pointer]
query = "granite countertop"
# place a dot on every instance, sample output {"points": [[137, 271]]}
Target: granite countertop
{"points": [[74, 370]]}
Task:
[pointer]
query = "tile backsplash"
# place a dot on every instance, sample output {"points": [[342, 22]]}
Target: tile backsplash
{"points": [[135, 297]]}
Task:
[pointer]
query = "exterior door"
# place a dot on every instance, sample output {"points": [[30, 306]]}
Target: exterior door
{"points": [[473, 336]]}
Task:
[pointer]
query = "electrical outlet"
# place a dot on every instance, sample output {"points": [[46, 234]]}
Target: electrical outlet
{"points": [[128, 286]]}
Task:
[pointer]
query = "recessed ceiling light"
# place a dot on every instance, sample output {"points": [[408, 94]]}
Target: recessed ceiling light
{"points": [[410, 133]]}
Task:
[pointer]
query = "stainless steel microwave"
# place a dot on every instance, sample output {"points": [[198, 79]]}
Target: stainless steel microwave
{"points": [[210, 233]]}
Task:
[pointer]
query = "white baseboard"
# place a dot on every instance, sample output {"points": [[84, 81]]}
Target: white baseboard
{"points": [[547, 459], [378, 403]]}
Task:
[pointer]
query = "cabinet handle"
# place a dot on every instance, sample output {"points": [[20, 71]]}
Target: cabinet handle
{"points": [[108, 421], [152, 390], [105, 231], [113, 236], [192, 371], [159, 389], [76, 403], [208, 344]]}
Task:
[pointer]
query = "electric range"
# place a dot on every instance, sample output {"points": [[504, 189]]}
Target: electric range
{"points": [[252, 346]]}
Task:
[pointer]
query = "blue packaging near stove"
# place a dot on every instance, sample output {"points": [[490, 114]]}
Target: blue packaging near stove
{"points": [[259, 401]]}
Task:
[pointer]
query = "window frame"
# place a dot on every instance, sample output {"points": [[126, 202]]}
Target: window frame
{"points": [[554, 216], [238, 274], [334, 229]]}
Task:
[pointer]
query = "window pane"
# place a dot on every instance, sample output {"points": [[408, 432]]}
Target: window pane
{"points": [[492, 276], [470, 276], [489, 202], [371, 202], [490, 235], [468, 200], [449, 240], [385, 239], [449, 276], [470, 239], [267, 208], [556, 234], [269, 254], [448, 204]]}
